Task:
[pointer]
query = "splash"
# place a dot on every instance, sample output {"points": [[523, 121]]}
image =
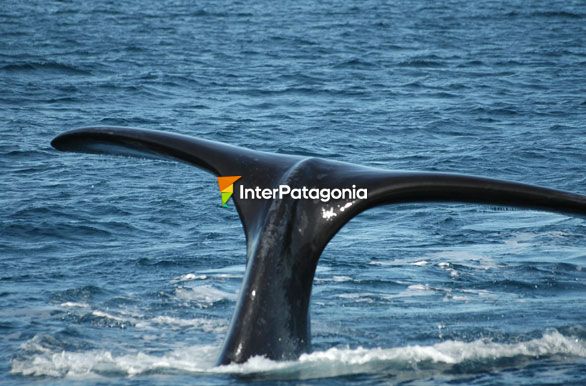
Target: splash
{"points": [[408, 360]]}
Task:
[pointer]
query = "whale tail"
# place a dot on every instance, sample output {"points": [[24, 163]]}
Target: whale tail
{"points": [[285, 236]]}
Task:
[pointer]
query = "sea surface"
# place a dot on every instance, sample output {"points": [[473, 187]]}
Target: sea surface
{"points": [[125, 271]]}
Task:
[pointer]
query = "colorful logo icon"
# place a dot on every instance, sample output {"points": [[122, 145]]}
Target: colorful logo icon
{"points": [[226, 184]]}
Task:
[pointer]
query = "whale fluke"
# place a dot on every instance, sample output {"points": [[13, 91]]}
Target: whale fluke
{"points": [[285, 237], [217, 158]]}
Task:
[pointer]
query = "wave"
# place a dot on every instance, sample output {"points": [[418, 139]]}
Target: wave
{"points": [[44, 67], [421, 63], [479, 355], [355, 64], [123, 319], [558, 15]]}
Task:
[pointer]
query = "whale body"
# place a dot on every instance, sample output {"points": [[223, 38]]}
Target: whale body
{"points": [[285, 237]]}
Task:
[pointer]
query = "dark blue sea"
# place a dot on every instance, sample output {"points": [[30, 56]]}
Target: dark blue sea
{"points": [[126, 271]]}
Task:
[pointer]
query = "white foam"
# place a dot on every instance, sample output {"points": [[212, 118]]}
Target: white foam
{"points": [[188, 277], [139, 321], [399, 263], [106, 315], [101, 362], [341, 279], [204, 295], [418, 287], [520, 240], [74, 305], [456, 298], [482, 261], [364, 297], [328, 363], [320, 278], [449, 268], [207, 325]]}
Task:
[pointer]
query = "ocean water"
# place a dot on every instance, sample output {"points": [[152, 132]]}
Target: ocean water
{"points": [[126, 271]]}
